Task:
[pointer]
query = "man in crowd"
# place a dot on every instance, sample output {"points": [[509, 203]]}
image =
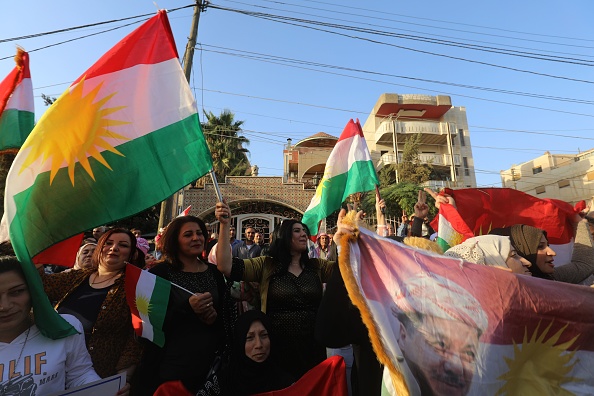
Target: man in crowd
{"points": [[248, 248], [98, 231], [440, 327], [232, 240]]}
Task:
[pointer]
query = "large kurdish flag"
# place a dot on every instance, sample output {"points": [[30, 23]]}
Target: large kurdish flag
{"points": [[148, 297], [442, 326], [349, 170], [17, 113], [123, 137]]}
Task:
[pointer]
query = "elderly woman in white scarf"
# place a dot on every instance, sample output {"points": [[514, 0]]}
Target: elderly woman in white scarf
{"points": [[83, 257], [493, 250]]}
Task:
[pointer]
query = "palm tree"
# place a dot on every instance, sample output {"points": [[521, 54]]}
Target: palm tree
{"points": [[229, 157]]}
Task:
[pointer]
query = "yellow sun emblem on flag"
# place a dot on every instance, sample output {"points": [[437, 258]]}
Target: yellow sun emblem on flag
{"points": [[540, 367], [143, 304], [72, 129]]}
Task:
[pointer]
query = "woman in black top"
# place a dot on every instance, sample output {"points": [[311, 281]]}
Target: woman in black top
{"points": [[193, 326]]}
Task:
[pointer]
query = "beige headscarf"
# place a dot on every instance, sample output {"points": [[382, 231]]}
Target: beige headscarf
{"points": [[494, 250]]}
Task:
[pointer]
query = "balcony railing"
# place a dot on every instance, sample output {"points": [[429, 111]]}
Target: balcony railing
{"points": [[435, 128], [434, 159]]}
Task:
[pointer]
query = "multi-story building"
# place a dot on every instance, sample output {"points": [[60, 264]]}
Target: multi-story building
{"points": [[568, 177], [445, 137]]}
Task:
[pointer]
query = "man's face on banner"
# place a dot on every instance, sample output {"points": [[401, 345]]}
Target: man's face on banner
{"points": [[441, 354]]}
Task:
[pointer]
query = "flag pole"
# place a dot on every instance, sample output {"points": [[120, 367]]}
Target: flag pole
{"points": [[216, 187]]}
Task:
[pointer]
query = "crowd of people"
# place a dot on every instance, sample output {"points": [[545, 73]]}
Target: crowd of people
{"points": [[250, 318]]}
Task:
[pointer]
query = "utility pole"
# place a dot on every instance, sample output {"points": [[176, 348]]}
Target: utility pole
{"points": [[167, 206]]}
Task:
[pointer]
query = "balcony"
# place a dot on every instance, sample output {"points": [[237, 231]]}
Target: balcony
{"points": [[437, 185], [433, 159], [432, 132]]}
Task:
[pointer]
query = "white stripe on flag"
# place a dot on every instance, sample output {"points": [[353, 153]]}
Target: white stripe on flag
{"points": [[144, 290]]}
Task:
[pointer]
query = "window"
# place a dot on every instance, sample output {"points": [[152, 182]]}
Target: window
{"points": [[540, 190], [466, 172], [457, 171], [461, 135], [536, 170], [563, 183], [465, 162]]}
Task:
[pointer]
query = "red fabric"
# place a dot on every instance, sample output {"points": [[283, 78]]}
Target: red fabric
{"points": [[62, 253], [14, 78], [151, 43], [172, 388], [326, 379], [486, 208]]}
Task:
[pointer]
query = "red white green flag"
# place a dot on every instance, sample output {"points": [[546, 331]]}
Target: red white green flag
{"points": [[452, 229], [442, 326], [148, 296], [123, 137], [17, 112], [483, 209], [349, 170]]}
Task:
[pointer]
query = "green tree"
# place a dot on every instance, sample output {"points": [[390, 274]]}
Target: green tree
{"points": [[410, 169], [222, 134]]}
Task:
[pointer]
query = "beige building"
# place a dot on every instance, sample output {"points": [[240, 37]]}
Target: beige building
{"points": [[568, 177], [445, 137]]}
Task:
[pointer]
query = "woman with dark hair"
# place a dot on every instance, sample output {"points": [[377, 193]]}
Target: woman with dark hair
{"points": [[193, 325], [290, 289], [532, 244], [97, 297], [253, 367], [65, 359]]}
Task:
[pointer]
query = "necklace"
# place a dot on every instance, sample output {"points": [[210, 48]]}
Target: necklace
{"points": [[105, 280], [23, 348]]}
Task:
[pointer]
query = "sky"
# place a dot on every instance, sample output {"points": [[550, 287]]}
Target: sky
{"points": [[285, 80]]}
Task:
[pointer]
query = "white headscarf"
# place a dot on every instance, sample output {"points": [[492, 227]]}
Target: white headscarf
{"points": [[495, 250]]}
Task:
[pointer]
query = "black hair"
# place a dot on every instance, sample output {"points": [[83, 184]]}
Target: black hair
{"points": [[170, 239], [280, 247], [11, 263]]}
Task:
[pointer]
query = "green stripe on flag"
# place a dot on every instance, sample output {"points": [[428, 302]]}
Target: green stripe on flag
{"points": [[158, 309], [153, 167], [335, 191], [15, 126]]}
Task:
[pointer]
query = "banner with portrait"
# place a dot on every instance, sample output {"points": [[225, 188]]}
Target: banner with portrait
{"points": [[442, 326]]}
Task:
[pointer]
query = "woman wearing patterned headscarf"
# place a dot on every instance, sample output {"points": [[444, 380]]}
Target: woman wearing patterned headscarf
{"points": [[532, 244], [492, 250]]}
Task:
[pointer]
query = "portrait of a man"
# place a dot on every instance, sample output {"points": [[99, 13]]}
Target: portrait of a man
{"points": [[440, 327]]}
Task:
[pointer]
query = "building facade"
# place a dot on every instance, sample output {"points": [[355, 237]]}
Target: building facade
{"points": [[445, 136], [568, 177]]}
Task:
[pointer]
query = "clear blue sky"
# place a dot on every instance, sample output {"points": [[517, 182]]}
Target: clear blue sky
{"points": [[279, 102]]}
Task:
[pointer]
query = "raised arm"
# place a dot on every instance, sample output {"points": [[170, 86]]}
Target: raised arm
{"points": [[582, 258], [223, 215]]}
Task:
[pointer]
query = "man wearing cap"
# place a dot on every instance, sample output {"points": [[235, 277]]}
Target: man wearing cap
{"points": [[440, 327]]}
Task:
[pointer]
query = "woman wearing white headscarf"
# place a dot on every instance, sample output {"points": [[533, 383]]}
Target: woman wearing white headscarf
{"points": [[492, 250], [83, 257]]}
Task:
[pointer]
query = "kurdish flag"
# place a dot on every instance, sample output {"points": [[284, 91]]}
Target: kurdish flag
{"points": [[483, 209], [148, 296], [123, 137], [17, 113], [349, 170], [442, 326], [452, 229]]}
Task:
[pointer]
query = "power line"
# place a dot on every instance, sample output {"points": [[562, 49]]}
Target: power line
{"points": [[457, 23], [303, 23], [505, 46], [265, 57]]}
